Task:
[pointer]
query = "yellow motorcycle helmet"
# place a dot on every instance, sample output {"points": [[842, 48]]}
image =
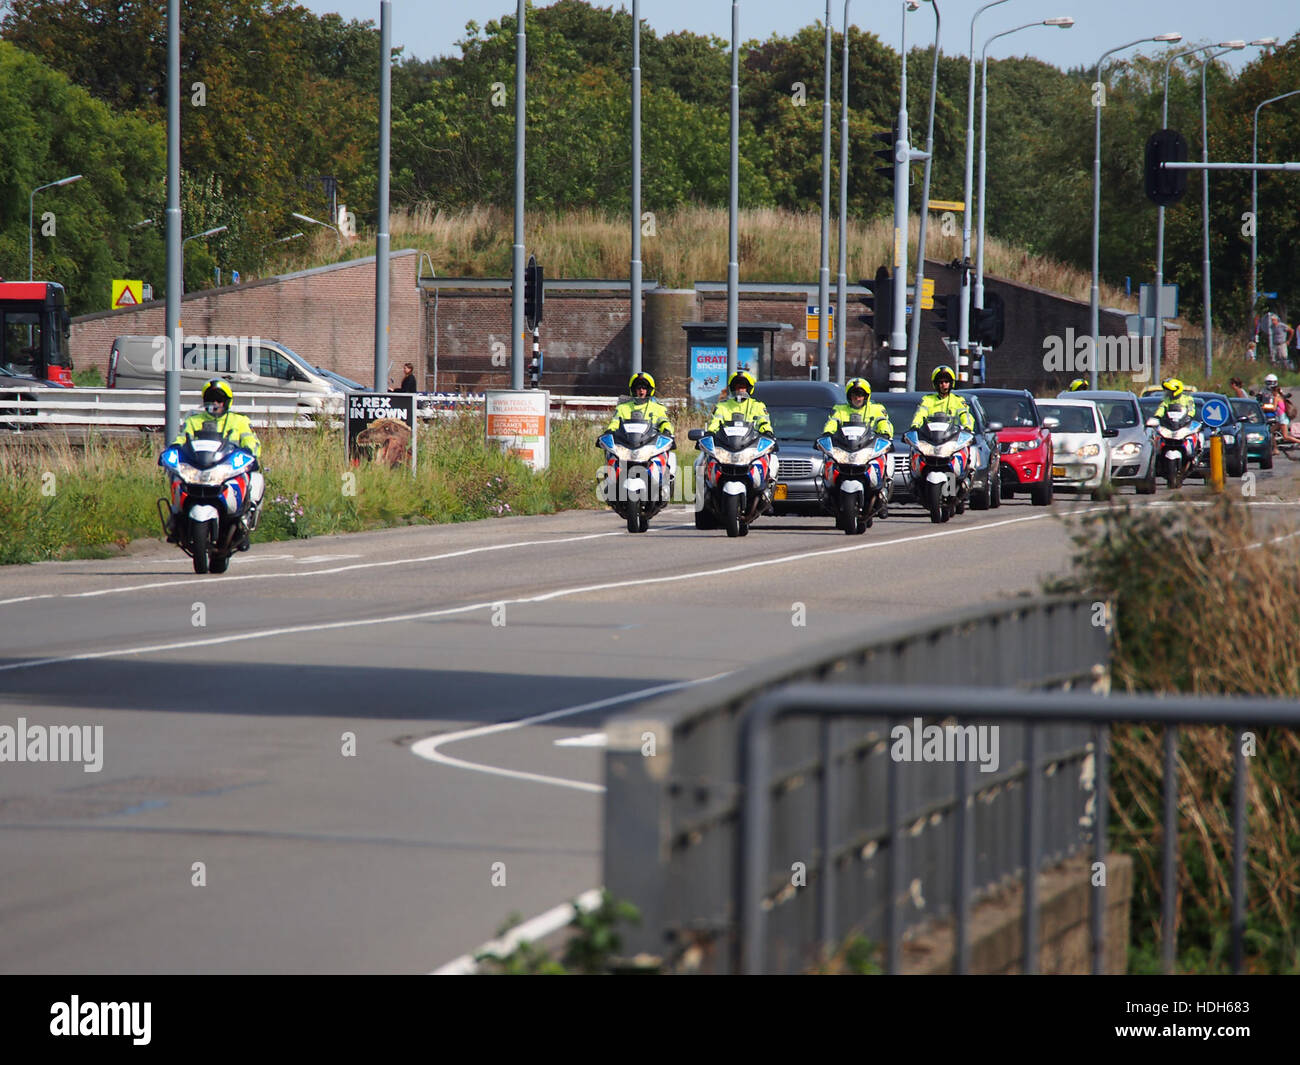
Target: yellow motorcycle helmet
{"points": [[218, 391], [642, 376], [1078, 385], [745, 377], [939, 371], [1173, 386], [857, 382]]}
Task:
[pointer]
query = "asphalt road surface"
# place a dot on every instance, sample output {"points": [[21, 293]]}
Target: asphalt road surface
{"points": [[293, 774]]}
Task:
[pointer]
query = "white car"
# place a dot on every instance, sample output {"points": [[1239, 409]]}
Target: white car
{"points": [[1080, 444]]}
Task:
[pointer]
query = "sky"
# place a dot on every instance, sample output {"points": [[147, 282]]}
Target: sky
{"points": [[429, 28]]}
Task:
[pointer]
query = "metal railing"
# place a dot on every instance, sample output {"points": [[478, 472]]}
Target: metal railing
{"points": [[673, 816], [1038, 712]]}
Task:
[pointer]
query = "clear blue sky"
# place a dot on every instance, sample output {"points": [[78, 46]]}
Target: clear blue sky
{"points": [[428, 28]]}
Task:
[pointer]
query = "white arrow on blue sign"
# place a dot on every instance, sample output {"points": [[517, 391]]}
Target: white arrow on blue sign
{"points": [[1215, 413]]}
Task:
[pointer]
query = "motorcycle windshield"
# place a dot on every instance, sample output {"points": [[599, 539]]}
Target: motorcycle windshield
{"points": [[634, 434]]}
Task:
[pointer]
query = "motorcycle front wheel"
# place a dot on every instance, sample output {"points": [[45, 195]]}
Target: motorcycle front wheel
{"points": [[731, 511], [199, 545], [849, 513], [634, 517], [934, 496]]}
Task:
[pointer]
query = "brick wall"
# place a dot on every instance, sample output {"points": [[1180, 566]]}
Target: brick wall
{"points": [[327, 315]]}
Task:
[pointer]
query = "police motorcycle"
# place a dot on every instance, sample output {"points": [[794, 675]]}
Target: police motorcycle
{"points": [[736, 476], [640, 471], [1178, 442], [211, 478], [856, 474], [941, 464]]}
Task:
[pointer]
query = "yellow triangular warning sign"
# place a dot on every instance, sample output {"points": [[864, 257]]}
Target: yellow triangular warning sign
{"points": [[126, 299], [127, 294]]}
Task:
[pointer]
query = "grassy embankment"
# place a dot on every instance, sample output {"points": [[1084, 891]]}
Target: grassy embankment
{"points": [[64, 501]]}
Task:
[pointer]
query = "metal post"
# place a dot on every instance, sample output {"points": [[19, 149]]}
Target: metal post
{"points": [[1238, 848], [964, 830], [824, 270], [517, 334], [1170, 869], [1101, 751], [842, 279], [175, 260], [635, 277], [902, 169], [914, 340], [1254, 204], [733, 208], [1033, 816], [826, 841], [963, 337], [1205, 223], [382, 235]]}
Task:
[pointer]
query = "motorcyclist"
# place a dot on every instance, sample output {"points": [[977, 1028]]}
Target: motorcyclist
{"points": [[944, 401], [742, 402], [859, 404], [641, 390], [216, 416], [1176, 394]]}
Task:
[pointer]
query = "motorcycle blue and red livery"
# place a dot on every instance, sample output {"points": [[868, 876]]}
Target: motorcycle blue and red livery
{"points": [[639, 473], [1178, 441], [210, 483], [735, 476], [856, 474], [941, 465]]}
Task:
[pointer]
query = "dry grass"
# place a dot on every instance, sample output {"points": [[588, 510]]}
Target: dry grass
{"points": [[688, 245]]}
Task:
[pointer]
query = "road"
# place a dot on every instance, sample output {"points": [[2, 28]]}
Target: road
{"points": [[297, 726]]}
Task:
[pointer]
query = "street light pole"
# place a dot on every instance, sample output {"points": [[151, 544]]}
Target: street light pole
{"points": [[1254, 204], [914, 340], [1064, 22], [307, 218], [824, 271], [842, 279], [1098, 88], [963, 332], [1206, 60], [902, 169], [31, 218]]}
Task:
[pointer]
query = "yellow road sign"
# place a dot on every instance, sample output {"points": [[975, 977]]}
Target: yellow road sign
{"points": [[927, 294], [947, 205], [128, 294], [812, 322]]}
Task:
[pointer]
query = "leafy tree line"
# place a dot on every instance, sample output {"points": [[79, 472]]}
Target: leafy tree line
{"points": [[290, 97]]}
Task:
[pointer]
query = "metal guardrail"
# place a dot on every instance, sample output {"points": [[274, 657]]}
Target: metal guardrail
{"points": [[673, 817], [1038, 712], [144, 408]]}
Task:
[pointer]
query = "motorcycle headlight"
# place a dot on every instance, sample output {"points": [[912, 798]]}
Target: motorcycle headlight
{"points": [[1088, 451], [924, 448], [621, 452], [850, 458]]}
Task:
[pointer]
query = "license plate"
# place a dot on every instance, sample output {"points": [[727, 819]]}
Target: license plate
{"points": [[781, 492], [1058, 471]]}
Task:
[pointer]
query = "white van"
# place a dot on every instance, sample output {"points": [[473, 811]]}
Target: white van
{"points": [[250, 364]]}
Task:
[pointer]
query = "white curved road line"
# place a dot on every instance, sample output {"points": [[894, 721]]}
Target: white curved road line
{"points": [[539, 927]]}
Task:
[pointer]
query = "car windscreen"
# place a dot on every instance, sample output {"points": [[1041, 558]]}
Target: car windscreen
{"points": [[798, 423], [1011, 411], [1247, 410], [1072, 419], [1118, 413], [900, 412]]}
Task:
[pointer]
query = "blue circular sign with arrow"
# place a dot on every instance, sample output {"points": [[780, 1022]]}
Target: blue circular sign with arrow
{"points": [[1215, 413]]}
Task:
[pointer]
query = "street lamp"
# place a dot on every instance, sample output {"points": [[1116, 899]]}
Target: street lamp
{"points": [[963, 333], [842, 279], [31, 201], [305, 218], [283, 240], [1254, 202], [1064, 22], [914, 340], [205, 233], [1163, 38], [824, 267]]}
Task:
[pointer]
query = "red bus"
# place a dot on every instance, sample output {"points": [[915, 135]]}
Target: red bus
{"points": [[34, 328]]}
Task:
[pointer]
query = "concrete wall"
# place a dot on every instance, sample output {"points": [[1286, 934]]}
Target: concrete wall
{"points": [[327, 315]]}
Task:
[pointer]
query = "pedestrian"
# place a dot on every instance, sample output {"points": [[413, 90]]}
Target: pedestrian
{"points": [[1279, 334], [1238, 389], [408, 382], [1250, 351]]}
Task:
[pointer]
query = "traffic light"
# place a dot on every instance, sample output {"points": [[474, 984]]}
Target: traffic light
{"points": [[989, 325], [947, 314], [880, 304], [890, 138], [533, 293], [1165, 187]]}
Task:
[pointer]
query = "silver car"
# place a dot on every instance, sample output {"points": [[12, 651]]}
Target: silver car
{"points": [[1132, 453]]}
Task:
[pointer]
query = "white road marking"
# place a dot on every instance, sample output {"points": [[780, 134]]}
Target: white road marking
{"points": [[428, 748], [591, 739], [539, 927], [424, 615], [232, 578], [312, 559]]}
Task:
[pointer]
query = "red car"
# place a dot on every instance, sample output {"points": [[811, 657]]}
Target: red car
{"points": [[1024, 444]]}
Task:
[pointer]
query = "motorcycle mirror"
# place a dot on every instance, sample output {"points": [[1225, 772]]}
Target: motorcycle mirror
{"points": [[695, 434]]}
